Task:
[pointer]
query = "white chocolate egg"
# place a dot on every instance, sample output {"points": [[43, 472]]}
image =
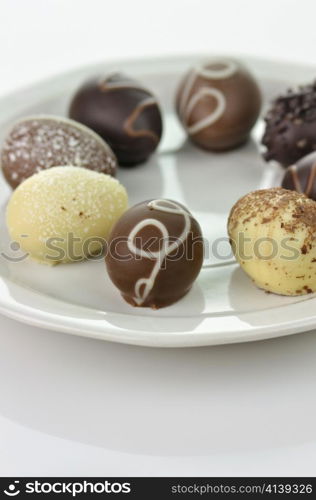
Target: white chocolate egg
{"points": [[65, 213], [273, 236]]}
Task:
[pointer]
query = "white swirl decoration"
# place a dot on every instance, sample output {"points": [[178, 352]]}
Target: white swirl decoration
{"points": [[215, 69], [143, 286]]}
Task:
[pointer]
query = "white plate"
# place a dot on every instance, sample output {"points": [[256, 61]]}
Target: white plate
{"points": [[223, 306]]}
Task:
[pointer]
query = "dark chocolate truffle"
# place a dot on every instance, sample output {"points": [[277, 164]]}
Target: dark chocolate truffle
{"points": [[155, 253], [218, 102], [290, 130], [301, 177], [124, 113], [41, 142]]}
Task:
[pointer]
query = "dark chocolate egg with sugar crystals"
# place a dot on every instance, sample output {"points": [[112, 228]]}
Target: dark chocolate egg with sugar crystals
{"points": [[218, 102], [123, 112], [155, 253], [40, 142]]}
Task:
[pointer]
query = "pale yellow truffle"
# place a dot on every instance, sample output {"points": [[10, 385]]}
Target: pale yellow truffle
{"points": [[272, 232], [64, 214]]}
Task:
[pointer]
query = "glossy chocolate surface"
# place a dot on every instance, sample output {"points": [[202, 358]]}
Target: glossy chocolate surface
{"points": [[155, 253], [218, 102], [121, 111], [301, 177]]}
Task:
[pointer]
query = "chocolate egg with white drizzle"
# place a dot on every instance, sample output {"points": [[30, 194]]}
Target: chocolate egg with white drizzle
{"points": [[123, 112], [301, 176], [218, 103], [155, 253]]}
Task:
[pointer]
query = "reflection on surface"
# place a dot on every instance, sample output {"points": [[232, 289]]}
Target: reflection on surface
{"points": [[160, 402], [245, 296], [212, 182]]}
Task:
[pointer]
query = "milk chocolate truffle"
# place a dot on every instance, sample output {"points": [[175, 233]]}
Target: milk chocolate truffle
{"points": [[218, 102], [155, 253], [301, 176], [290, 130], [40, 142], [272, 232], [65, 214], [124, 113]]}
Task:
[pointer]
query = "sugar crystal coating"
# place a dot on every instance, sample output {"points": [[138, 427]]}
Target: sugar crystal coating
{"points": [[42, 142], [55, 207]]}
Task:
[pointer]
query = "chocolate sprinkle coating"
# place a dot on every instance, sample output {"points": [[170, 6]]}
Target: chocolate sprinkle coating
{"points": [[121, 111], [290, 130], [266, 205], [41, 142], [301, 177]]}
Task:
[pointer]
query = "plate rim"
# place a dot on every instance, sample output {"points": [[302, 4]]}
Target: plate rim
{"points": [[39, 318], [57, 322]]}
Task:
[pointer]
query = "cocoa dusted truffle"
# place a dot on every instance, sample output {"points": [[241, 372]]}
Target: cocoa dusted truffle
{"points": [[40, 142], [301, 177], [272, 236], [218, 102], [155, 253], [290, 130], [123, 112]]}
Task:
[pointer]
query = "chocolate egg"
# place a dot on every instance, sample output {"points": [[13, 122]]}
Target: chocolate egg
{"points": [[301, 177], [218, 102], [272, 236], [155, 253], [121, 111], [290, 130], [40, 142], [64, 214]]}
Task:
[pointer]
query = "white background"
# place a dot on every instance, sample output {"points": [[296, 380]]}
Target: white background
{"points": [[40, 38], [53, 386]]}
